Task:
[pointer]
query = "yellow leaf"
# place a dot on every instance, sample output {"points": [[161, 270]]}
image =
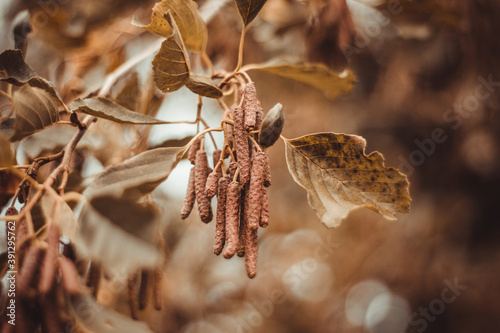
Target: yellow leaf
{"points": [[339, 177], [189, 21]]}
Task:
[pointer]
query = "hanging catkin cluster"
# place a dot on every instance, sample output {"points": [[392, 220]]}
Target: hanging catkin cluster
{"points": [[242, 200]]}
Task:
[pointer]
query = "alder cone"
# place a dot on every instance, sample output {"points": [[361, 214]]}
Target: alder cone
{"points": [[272, 125], [232, 217]]}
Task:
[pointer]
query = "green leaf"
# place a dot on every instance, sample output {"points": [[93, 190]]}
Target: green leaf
{"points": [[35, 109], [204, 86], [272, 125], [6, 155], [171, 63], [105, 108], [68, 224], [249, 9], [191, 26], [339, 177], [119, 233], [316, 75], [89, 316], [137, 176]]}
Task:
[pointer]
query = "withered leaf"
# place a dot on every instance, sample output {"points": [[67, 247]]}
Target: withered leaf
{"points": [[204, 86], [67, 224], [314, 74], [119, 233], [128, 91], [249, 9], [137, 176], [90, 316], [6, 156], [272, 125], [339, 177], [191, 26], [14, 70], [105, 108], [171, 63], [35, 109]]}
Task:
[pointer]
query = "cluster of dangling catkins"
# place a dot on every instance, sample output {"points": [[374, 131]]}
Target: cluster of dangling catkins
{"points": [[241, 189]]}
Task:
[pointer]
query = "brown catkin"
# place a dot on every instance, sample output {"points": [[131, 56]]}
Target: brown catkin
{"points": [[49, 267], [69, 277], [158, 288], [29, 271], [242, 228], [144, 289], [228, 139], [250, 105], [267, 170], [255, 191], [216, 158], [190, 197], [93, 278], [242, 147], [220, 227], [200, 180], [264, 213], [212, 182], [232, 216], [251, 253], [193, 149], [132, 294], [51, 312], [260, 116], [231, 170]]}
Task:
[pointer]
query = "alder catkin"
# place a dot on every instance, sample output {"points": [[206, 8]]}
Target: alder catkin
{"points": [[251, 253], [212, 182], [49, 267], [264, 213], [51, 310], [216, 158], [232, 217], [220, 227], [242, 228], [132, 294], [267, 170], [228, 140], [190, 197], [193, 150], [144, 289], [242, 147], [231, 170], [158, 289], [29, 271], [69, 277], [250, 104], [200, 180], [259, 117], [255, 191]]}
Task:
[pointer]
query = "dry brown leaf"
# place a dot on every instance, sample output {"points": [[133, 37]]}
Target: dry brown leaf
{"points": [[249, 9], [6, 156], [171, 63], [129, 93], [204, 86], [191, 26], [68, 224], [316, 75], [339, 177]]}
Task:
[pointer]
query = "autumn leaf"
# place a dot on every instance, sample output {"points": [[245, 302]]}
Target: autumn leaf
{"points": [[191, 26], [128, 91], [105, 108], [249, 9], [272, 125], [171, 63], [6, 156], [314, 74], [204, 86], [68, 224], [90, 316], [119, 233], [35, 109], [339, 177], [137, 176]]}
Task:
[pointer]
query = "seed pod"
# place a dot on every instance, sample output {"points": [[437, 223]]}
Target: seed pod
{"points": [[251, 253], [272, 125], [231, 170], [264, 213], [158, 288], [255, 191], [132, 294], [93, 278], [250, 105], [49, 267], [143, 289], [193, 149], [190, 197], [242, 230], [29, 271], [267, 170], [200, 180], [212, 182], [220, 232], [232, 216], [69, 277], [242, 147]]}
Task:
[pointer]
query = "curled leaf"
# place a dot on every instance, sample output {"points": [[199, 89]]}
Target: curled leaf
{"points": [[314, 74], [191, 26], [105, 108], [170, 65], [339, 177], [272, 126], [204, 86], [249, 9]]}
